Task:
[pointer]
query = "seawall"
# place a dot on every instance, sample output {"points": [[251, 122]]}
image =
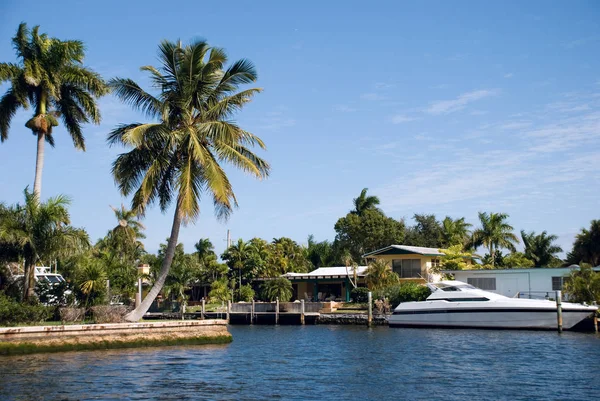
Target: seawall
{"points": [[350, 318], [22, 340]]}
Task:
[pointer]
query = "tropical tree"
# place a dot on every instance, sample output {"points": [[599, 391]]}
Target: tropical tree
{"points": [[204, 248], [51, 78], [91, 279], [455, 258], [123, 242], [368, 232], [180, 155], [540, 248], [280, 288], [455, 232], [426, 232], [236, 256], [380, 275], [583, 285], [38, 233], [494, 233], [320, 253], [364, 202], [586, 248], [516, 260]]}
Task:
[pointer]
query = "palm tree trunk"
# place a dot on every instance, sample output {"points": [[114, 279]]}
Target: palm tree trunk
{"points": [[136, 314], [28, 281], [493, 255], [39, 165]]}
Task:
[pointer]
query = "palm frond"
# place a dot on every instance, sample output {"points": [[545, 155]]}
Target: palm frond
{"points": [[131, 93]]}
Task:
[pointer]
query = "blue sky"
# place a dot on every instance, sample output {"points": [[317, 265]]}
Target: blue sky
{"points": [[437, 107]]}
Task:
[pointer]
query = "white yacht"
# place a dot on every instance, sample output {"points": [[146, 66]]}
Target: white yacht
{"points": [[457, 304]]}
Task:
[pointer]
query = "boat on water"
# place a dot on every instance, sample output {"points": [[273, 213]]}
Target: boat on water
{"points": [[458, 304]]}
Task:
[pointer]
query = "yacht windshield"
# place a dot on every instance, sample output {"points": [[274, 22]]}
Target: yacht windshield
{"points": [[458, 287]]}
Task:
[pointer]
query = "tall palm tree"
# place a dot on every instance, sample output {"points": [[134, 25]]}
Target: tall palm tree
{"points": [[204, 248], [494, 233], [540, 248], [39, 233], [180, 155], [364, 202], [50, 76], [237, 255], [455, 232], [124, 240]]}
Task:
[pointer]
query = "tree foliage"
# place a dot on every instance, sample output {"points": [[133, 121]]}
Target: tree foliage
{"points": [[181, 154], [494, 233], [426, 232], [540, 248], [379, 275], [279, 287], [370, 231], [583, 285], [364, 203], [586, 247]]}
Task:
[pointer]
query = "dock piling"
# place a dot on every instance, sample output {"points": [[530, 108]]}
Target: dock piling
{"points": [[301, 311], [228, 310], [370, 317], [203, 311], [559, 311], [252, 313], [596, 322], [277, 310]]}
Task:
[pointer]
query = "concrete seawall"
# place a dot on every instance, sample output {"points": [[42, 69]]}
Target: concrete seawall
{"points": [[18, 340], [351, 318]]}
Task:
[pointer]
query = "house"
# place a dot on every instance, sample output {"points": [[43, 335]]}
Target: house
{"points": [[326, 283], [531, 283], [411, 263]]}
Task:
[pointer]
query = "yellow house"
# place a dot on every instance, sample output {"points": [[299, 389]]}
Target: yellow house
{"points": [[411, 263]]}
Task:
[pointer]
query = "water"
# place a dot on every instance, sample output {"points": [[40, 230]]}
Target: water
{"points": [[322, 363]]}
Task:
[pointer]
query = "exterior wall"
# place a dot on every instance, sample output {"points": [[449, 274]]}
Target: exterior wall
{"points": [[425, 264], [509, 283]]}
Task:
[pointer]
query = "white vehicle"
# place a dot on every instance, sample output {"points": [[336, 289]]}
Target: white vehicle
{"points": [[43, 273], [457, 304]]}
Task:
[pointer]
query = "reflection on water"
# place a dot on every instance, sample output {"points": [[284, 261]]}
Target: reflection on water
{"points": [[321, 363]]}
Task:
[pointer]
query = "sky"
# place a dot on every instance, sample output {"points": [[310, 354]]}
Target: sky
{"points": [[437, 107]]}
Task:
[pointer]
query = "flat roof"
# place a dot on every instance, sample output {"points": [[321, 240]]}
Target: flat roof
{"points": [[518, 270], [405, 250], [327, 272]]}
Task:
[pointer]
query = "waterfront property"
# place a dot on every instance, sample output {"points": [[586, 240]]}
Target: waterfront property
{"points": [[326, 283], [531, 283], [411, 263]]}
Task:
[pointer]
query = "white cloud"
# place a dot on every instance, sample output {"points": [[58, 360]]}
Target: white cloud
{"points": [[372, 96], [451, 106], [342, 108], [509, 75], [401, 118]]}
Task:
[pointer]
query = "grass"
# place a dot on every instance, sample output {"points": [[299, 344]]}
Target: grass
{"points": [[31, 348]]}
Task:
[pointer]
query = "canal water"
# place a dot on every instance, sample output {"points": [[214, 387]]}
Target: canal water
{"points": [[322, 363]]}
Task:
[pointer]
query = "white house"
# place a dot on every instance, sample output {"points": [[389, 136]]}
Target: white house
{"points": [[535, 282]]}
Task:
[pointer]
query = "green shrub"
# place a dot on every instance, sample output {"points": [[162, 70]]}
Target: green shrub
{"points": [[280, 288], [219, 291], [13, 312], [360, 295], [404, 292], [245, 293]]}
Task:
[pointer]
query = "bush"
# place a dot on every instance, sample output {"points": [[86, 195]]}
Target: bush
{"points": [[280, 288], [109, 313], [245, 293], [219, 291], [13, 312], [360, 295], [70, 315], [405, 292]]}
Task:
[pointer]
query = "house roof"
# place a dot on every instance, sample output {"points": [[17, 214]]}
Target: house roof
{"points": [[405, 250], [519, 270], [327, 272]]}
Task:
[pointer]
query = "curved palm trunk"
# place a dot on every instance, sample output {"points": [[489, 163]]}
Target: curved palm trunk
{"points": [[136, 314], [39, 165]]}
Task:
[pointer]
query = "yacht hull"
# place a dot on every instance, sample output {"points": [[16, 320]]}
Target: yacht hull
{"points": [[488, 318]]}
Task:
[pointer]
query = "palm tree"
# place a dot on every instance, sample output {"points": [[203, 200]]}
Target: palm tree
{"points": [[364, 202], [455, 232], [540, 248], [124, 240], [204, 248], [494, 233], [280, 288], [586, 247], [237, 255], [39, 233], [50, 77], [180, 155], [379, 275]]}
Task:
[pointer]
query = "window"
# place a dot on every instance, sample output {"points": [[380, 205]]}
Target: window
{"points": [[483, 283], [435, 263], [407, 268], [557, 283]]}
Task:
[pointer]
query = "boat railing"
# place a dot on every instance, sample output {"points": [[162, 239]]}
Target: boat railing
{"points": [[549, 295]]}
